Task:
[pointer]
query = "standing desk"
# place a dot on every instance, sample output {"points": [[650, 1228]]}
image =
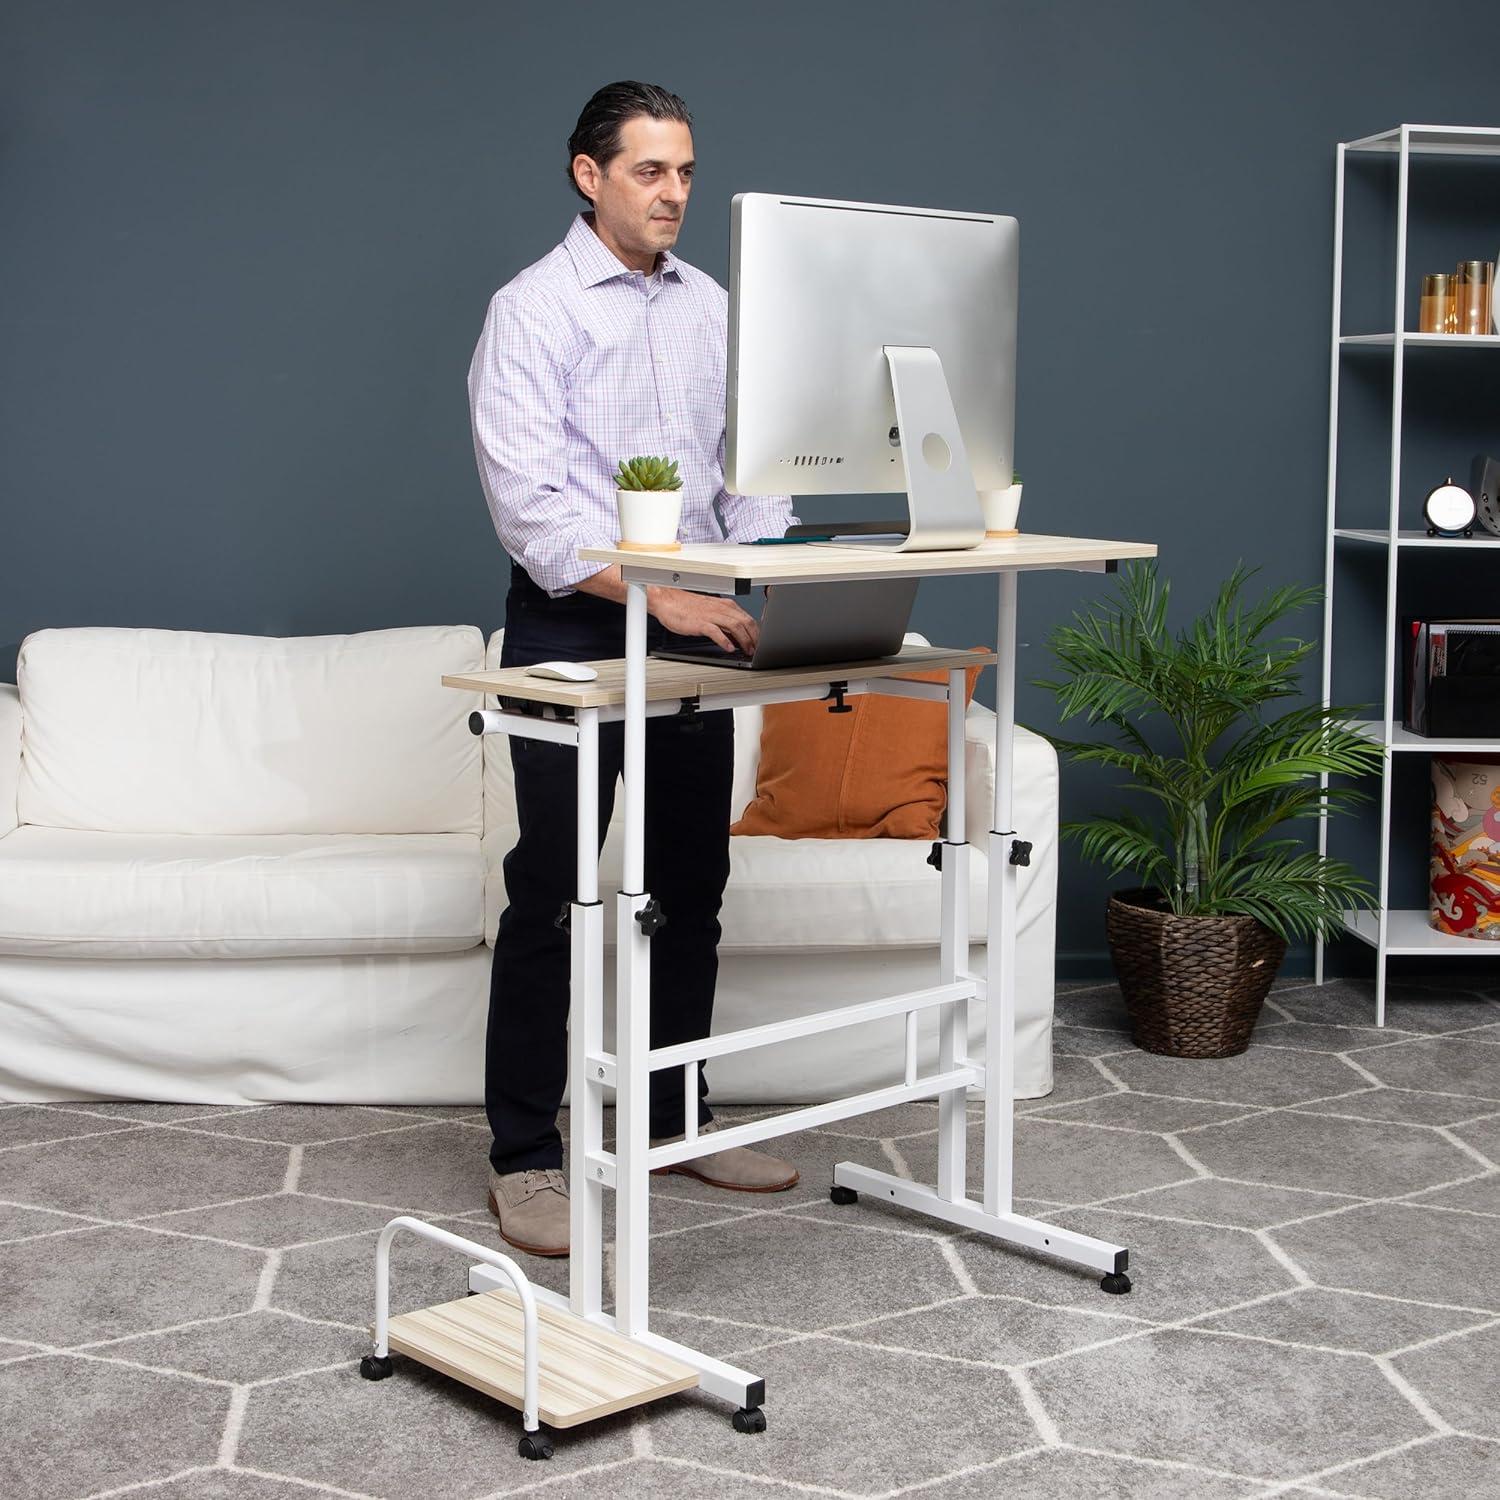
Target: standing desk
{"points": [[633, 690]]}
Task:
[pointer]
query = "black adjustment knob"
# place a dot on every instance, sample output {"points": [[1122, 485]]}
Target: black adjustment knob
{"points": [[563, 921], [651, 917], [935, 856], [836, 691], [1020, 852]]}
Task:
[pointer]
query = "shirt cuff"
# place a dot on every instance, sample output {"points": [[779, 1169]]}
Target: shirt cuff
{"points": [[557, 567]]}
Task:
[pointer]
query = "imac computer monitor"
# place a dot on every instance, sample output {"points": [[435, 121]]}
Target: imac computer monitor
{"points": [[872, 349]]}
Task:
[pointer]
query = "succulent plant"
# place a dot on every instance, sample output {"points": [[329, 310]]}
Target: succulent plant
{"points": [[648, 474]]}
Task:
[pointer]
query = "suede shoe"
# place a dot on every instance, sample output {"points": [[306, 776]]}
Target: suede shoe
{"points": [[533, 1210], [739, 1169]]}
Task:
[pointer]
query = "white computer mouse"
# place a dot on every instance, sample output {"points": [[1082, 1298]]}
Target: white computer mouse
{"points": [[562, 671]]}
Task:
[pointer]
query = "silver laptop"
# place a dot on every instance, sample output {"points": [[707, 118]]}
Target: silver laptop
{"points": [[818, 624]]}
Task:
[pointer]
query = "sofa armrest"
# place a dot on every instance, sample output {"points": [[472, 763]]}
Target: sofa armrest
{"points": [[979, 766], [979, 774], [10, 754]]}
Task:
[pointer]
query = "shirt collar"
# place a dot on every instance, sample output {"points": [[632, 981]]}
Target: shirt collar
{"points": [[595, 263]]}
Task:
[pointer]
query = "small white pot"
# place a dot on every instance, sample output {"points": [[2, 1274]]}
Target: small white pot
{"points": [[1001, 509], [648, 520]]}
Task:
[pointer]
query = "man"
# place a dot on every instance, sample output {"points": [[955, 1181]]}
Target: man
{"points": [[606, 348]]}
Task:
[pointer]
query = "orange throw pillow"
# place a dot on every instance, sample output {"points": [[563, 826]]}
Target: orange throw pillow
{"points": [[880, 772]]}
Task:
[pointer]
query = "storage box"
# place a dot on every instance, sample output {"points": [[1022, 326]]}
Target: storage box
{"points": [[1453, 678]]}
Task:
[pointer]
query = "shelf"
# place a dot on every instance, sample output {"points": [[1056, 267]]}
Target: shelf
{"points": [[1408, 933], [1416, 539], [1420, 341], [584, 1371], [1404, 740], [666, 680], [1431, 140]]}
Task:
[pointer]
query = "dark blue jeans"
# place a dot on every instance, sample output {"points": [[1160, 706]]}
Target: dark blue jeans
{"points": [[689, 770]]}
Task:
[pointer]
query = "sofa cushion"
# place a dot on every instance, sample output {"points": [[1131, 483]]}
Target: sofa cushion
{"points": [[164, 731], [74, 893], [817, 895]]}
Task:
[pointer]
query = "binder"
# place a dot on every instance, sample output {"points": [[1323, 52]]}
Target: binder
{"points": [[1453, 678]]}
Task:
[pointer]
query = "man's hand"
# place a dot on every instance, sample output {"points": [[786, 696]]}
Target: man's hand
{"points": [[721, 620], [684, 613]]}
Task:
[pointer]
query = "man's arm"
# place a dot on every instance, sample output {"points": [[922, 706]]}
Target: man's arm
{"points": [[518, 393]]}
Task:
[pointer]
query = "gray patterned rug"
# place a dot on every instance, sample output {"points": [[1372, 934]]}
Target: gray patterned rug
{"points": [[1315, 1243]]}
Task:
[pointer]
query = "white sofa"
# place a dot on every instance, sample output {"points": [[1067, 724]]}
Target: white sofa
{"points": [[241, 868]]}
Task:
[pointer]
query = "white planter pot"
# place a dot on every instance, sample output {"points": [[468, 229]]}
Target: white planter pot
{"points": [[1001, 509], [648, 520]]}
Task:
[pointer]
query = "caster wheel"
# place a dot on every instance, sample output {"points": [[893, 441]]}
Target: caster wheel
{"points": [[376, 1366], [842, 1195], [1116, 1285], [534, 1445], [749, 1419]]}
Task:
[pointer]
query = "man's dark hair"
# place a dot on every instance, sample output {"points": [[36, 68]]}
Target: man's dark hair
{"points": [[597, 133]]}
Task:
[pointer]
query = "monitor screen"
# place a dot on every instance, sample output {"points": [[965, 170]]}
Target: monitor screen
{"points": [[822, 296]]}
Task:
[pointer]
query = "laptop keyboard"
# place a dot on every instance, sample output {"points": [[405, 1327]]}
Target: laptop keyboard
{"points": [[708, 653]]}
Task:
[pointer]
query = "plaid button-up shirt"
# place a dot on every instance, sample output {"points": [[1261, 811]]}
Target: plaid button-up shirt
{"points": [[583, 362]]}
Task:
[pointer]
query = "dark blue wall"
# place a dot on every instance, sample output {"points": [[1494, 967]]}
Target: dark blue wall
{"points": [[246, 250]]}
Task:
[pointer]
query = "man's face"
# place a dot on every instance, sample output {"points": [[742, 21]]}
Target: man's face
{"points": [[639, 205]]}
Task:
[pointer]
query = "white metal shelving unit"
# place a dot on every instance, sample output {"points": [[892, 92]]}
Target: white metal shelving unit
{"points": [[1389, 931]]}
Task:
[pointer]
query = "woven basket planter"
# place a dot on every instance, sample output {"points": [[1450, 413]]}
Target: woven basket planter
{"points": [[1193, 986]]}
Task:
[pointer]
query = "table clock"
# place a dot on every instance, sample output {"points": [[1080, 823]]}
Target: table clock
{"points": [[1449, 510]]}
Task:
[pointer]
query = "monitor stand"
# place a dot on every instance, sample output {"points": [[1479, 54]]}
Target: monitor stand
{"points": [[941, 499]]}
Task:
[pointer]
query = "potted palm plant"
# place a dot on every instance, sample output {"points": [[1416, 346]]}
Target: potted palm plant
{"points": [[649, 493], [1199, 729]]}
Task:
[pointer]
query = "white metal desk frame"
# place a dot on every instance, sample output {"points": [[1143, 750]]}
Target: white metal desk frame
{"points": [[627, 1071]]}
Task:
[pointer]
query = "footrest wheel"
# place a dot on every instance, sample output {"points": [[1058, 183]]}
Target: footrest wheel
{"points": [[534, 1445], [749, 1419], [1116, 1284], [376, 1366], [842, 1196]]}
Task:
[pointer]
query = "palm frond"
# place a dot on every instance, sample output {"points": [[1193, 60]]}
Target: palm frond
{"points": [[1323, 751], [1298, 896], [1243, 832], [1124, 843]]}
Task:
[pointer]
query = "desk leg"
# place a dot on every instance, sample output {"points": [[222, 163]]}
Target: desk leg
{"points": [[996, 1217], [1000, 968], [633, 998], [953, 950], [586, 1036]]}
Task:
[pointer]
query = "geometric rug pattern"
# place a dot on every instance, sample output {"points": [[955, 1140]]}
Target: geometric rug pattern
{"points": [[1314, 1235]]}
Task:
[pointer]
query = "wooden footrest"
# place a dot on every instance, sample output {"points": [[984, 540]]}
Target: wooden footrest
{"points": [[584, 1371]]}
